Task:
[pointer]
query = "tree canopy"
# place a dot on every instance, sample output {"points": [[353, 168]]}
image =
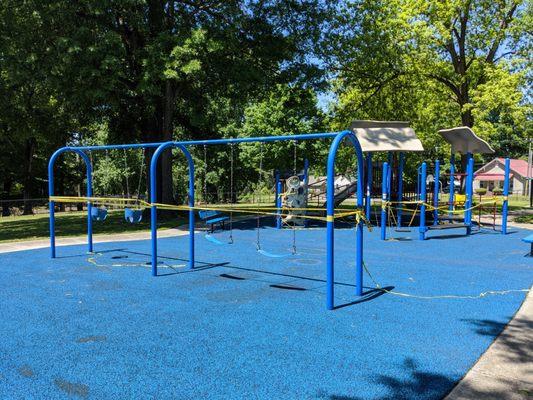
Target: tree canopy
{"points": [[95, 71]]}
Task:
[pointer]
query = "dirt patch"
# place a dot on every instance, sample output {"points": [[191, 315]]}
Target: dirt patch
{"points": [[89, 339], [72, 389]]}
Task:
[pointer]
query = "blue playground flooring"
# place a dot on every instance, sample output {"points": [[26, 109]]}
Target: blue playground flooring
{"points": [[245, 326]]}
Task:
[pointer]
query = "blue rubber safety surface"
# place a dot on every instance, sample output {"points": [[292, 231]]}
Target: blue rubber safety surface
{"points": [[245, 326]]}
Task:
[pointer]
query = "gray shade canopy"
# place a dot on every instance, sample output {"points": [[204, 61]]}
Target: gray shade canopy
{"points": [[375, 136], [464, 140]]}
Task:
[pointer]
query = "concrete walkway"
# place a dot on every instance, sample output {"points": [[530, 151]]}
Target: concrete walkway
{"points": [[503, 372], [69, 241]]}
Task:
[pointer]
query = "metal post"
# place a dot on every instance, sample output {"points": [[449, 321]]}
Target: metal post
{"points": [[368, 185], [330, 218], [401, 162], [469, 192], [276, 180], [51, 192], [528, 181], [436, 187], [306, 171], [389, 176], [452, 185], [153, 199], [306, 185], [422, 230], [505, 205], [384, 197], [191, 207]]}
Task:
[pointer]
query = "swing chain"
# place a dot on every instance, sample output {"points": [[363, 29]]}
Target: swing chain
{"points": [[294, 173], [107, 166], [231, 195], [141, 172], [258, 239], [126, 174], [205, 174]]}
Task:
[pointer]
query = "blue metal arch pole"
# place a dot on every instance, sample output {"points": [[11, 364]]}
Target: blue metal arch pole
{"points": [[436, 189], [153, 200], [330, 195], [276, 180], [423, 196], [389, 175], [306, 171], [51, 193], [368, 201], [401, 163], [505, 205], [384, 197]]}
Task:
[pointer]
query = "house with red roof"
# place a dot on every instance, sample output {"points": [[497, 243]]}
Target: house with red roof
{"points": [[491, 176]]}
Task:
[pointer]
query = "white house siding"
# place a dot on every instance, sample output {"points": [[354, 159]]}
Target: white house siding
{"points": [[516, 184]]}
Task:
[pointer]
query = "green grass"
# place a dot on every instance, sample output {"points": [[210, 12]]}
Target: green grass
{"points": [[29, 227], [524, 219]]}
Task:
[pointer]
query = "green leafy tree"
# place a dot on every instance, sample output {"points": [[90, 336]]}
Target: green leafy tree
{"points": [[33, 118], [435, 63]]}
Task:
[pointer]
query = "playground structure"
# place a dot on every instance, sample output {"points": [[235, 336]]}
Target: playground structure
{"points": [[291, 193], [336, 137], [465, 142], [391, 137]]}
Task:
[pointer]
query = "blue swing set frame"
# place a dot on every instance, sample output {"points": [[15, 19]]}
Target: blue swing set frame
{"points": [[337, 139]]}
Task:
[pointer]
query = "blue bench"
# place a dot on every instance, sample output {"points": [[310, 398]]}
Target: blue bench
{"points": [[212, 218], [529, 239]]}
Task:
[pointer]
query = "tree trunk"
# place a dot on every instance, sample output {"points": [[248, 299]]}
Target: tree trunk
{"points": [[467, 119], [79, 206], [8, 183], [159, 129], [29, 152], [167, 193]]}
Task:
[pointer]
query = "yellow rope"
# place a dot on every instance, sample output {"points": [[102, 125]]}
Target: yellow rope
{"points": [[430, 207], [273, 211], [444, 296]]}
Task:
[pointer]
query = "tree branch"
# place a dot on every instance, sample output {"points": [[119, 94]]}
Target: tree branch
{"points": [[454, 88], [504, 23]]}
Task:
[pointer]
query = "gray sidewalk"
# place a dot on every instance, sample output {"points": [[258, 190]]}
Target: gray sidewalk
{"points": [[505, 370], [68, 241]]}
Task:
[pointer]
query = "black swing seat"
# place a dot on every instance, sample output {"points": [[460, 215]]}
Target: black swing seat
{"points": [[451, 219], [212, 218], [445, 226]]}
